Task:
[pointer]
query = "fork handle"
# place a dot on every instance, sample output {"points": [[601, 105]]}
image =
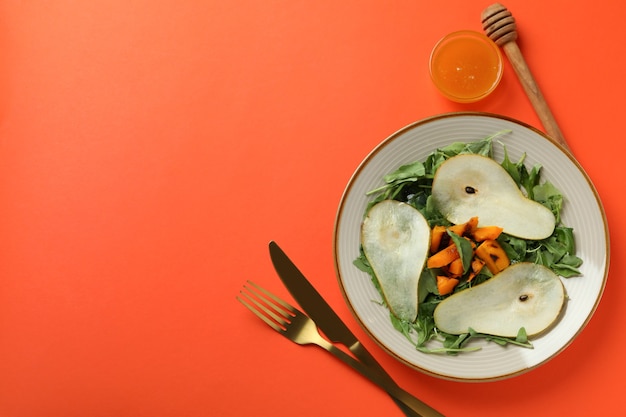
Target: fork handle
{"points": [[411, 405]]}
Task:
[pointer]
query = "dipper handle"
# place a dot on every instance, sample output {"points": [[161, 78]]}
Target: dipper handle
{"points": [[500, 27]]}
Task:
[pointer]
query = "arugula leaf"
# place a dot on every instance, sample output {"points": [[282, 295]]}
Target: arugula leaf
{"points": [[464, 247], [549, 196], [513, 169], [567, 267], [402, 326], [427, 285], [410, 171], [520, 340]]}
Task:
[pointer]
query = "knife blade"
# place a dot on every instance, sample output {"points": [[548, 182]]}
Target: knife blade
{"points": [[336, 330]]}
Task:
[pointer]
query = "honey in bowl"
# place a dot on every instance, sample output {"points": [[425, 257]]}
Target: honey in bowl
{"points": [[466, 66]]}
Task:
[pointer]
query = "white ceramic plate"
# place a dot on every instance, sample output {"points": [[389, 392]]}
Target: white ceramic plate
{"points": [[582, 210]]}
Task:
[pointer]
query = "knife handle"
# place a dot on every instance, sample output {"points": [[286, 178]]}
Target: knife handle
{"points": [[389, 385], [412, 406]]}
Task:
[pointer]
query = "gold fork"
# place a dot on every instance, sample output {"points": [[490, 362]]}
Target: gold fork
{"points": [[301, 329]]}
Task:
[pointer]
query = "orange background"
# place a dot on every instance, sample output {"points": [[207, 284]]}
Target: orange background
{"points": [[149, 151]]}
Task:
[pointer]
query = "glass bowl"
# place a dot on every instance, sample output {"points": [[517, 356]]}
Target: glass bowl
{"points": [[466, 66]]}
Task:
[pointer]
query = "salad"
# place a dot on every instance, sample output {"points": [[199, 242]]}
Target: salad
{"points": [[412, 184]]}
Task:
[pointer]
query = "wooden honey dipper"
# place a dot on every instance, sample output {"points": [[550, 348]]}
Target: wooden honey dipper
{"points": [[500, 27]]}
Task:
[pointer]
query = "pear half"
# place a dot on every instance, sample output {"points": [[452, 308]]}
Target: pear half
{"points": [[523, 295], [395, 238], [470, 185]]}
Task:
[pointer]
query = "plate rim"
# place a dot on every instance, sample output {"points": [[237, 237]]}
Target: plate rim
{"points": [[378, 148]]}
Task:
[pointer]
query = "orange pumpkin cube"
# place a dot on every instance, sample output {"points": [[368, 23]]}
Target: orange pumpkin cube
{"points": [[445, 285], [492, 254]]}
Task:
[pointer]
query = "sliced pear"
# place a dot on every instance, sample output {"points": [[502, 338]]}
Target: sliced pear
{"points": [[395, 238], [470, 185], [523, 295]]}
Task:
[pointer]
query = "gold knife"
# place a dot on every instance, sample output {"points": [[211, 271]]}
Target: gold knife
{"points": [[338, 332]]}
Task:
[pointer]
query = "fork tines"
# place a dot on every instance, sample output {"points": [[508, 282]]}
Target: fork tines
{"points": [[265, 305]]}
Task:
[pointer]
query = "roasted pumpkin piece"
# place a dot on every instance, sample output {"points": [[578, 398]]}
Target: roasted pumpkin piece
{"points": [[492, 254], [481, 234], [445, 285], [436, 237], [443, 257], [465, 229], [477, 266], [455, 268]]}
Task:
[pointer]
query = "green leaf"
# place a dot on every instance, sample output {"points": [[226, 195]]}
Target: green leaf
{"points": [[530, 180], [565, 235], [522, 337], [543, 192], [511, 168], [402, 326], [411, 171], [514, 247], [520, 340], [427, 285], [567, 267], [362, 264], [464, 247]]}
